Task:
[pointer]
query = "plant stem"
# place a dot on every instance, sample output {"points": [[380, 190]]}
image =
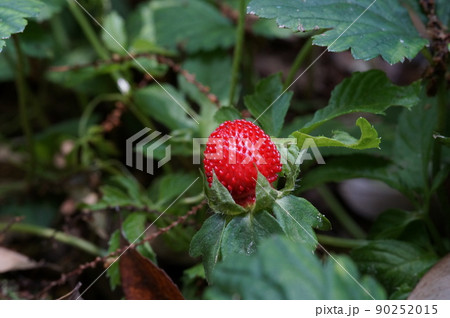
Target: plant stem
{"points": [[87, 29], [237, 51], [68, 239], [340, 242], [301, 56], [24, 118], [341, 215]]}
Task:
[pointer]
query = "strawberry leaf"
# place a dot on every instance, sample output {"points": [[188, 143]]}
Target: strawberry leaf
{"points": [[384, 29], [283, 269], [12, 14], [370, 92], [369, 138], [298, 217], [206, 242], [244, 232], [265, 194]]}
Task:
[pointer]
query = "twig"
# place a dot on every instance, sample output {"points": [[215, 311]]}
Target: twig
{"points": [[116, 59], [64, 277]]}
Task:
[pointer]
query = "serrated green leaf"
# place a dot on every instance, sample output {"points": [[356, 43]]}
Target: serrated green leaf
{"points": [[369, 138], [384, 29], [269, 105], [394, 263], [195, 25], [370, 92], [113, 271], [298, 217], [220, 199], [13, 14], [206, 242], [243, 233], [283, 269], [154, 101], [114, 30]]}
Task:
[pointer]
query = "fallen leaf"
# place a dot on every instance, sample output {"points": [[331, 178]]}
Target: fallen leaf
{"points": [[141, 279], [13, 261], [435, 284]]}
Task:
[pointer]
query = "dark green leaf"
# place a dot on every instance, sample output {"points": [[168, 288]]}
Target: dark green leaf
{"points": [[283, 269], [298, 217], [170, 110], [12, 14], [369, 138], [206, 242], [226, 113], [393, 263], [244, 232], [194, 25], [384, 29], [114, 31], [269, 105], [391, 224], [370, 92], [350, 167]]}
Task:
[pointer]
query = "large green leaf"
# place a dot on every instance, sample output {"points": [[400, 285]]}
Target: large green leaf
{"points": [[283, 269], [244, 233], [206, 242], [114, 31], [13, 14], [369, 138], [394, 263], [195, 25], [391, 224], [171, 110], [269, 105], [298, 217], [384, 29], [370, 92], [413, 144]]}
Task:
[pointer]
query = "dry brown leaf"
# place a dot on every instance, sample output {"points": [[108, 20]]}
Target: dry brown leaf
{"points": [[13, 261], [141, 279]]}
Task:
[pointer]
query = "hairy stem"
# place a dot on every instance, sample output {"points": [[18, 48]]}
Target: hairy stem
{"points": [[301, 56], [341, 215], [340, 242], [68, 239], [24, 117], [237, 51]]}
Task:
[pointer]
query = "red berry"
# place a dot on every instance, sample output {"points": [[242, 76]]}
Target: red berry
{"points": [[232, 152]]}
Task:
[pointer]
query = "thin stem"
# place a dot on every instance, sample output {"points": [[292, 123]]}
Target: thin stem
{"points": [[341, 215], [237, 51], [22, 96], [87, 29], [340, 242], [68, 239], [300, 58]]}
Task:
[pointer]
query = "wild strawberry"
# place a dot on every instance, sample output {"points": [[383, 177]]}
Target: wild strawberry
{"points": [[233, 151]]}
